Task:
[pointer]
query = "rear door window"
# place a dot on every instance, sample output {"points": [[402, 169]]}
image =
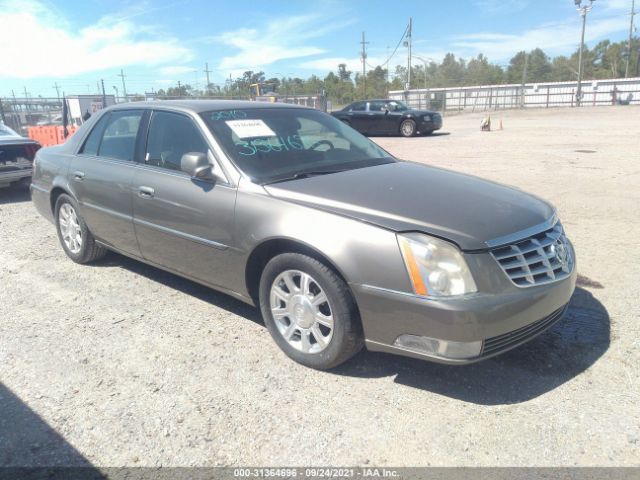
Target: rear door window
{"points": [[119, 138]]}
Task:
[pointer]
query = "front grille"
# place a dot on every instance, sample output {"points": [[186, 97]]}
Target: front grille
{"points": [[521, 335], [541, 258]]}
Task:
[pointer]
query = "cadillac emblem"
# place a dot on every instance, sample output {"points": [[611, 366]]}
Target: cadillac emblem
{"points": [[562, 253]]}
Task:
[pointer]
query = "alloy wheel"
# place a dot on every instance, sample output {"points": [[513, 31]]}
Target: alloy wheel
{"points": [[301, 311], [70, 228]]}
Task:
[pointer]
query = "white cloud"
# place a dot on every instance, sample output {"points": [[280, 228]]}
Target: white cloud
{"points": [[281, 39], [552, 38], [614, 5], [330, 64], [50, 46]]}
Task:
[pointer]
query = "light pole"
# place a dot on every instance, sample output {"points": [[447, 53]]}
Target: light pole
{"points": [[425, 67], [425, 75], [583, 10]]}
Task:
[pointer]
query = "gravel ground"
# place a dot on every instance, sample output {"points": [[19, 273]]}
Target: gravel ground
{"points": [[122, 364]]}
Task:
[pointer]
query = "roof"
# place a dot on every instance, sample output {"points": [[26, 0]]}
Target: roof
{"points": [[199, 106]]}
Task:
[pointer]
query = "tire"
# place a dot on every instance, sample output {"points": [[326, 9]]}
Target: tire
{"points": [[345, 336], [88, 250], [408, 128]]}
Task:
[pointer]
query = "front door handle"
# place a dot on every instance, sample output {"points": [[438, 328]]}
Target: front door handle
{"points": [[78, 175], [145, 192]]}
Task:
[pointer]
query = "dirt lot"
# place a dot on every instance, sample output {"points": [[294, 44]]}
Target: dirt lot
{"points": [[122, 364]]}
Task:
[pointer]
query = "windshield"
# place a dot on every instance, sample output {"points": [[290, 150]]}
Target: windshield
{"points": [[271, 144], [395, 106]]}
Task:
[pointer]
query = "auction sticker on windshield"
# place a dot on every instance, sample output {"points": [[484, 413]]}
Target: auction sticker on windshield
{"points": [[250, 128]]}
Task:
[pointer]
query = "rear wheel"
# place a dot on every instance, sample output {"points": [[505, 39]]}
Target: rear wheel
{"points": [[75, 238], [309, 311], [408, 128]]}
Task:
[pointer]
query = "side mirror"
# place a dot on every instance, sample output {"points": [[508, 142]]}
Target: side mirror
{"points": [[197, 165]]}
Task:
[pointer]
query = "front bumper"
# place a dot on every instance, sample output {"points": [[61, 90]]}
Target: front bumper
{"points": [[501, 319], [430, 125]]}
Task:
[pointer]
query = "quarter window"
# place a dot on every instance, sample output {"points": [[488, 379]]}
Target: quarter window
{"points": [[92, 142], [171, 135], [119, 139]]}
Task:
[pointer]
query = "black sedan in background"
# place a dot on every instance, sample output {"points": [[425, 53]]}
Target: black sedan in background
{"points": [[388, 117], [16, 157]]}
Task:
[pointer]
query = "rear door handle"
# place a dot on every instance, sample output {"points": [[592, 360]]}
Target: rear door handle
{"points": [[145, 192], [78, 175]]}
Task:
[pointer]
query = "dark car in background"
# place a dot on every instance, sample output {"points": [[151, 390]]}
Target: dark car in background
{"points": [[389, 117], [16, 157]]}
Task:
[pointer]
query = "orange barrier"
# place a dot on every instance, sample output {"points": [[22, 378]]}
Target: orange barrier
{"points": [[49, 135]]}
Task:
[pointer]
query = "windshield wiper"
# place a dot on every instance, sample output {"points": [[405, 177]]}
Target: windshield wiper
{"points": [[305, 174]]}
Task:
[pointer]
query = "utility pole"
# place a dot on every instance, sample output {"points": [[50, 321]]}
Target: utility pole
{"points": [[583, 10], [633, 12], [364, 65], [524, 77], [388, 66], [207, 71], [104, 95], [408, 87], [57, 87], [124, 87], [26, 98]]}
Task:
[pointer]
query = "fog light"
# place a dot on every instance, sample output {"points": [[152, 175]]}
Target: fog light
{"points": [[439, 348]]}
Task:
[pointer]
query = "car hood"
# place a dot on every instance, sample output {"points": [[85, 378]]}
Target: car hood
{"points": [[406, 196]]}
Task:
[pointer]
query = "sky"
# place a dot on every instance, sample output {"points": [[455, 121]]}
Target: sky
{"points": [[75, 44]]}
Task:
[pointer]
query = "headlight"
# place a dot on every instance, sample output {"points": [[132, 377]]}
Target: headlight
{"points": [[436, 268], [426, 118]]}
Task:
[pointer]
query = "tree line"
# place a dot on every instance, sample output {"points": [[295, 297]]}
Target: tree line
{"points": [[605, 60]]}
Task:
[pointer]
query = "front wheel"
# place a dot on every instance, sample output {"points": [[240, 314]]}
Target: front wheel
{"points": [[309, 311], [408, 128], [75, 238]]}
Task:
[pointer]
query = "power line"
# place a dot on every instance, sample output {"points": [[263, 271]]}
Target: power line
{"points": [[397, 47]]}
